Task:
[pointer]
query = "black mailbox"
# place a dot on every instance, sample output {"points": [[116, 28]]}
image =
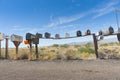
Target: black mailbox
{"points": [[111, 30], [29, 36], [100, 32], [57, 36], [79, 33], [38, 35], [47, 35], [35, 40]]}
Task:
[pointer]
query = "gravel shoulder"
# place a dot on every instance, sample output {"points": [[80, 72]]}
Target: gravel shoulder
{"points": [[60, 70]]}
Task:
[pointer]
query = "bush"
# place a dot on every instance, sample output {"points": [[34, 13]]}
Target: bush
{"points": [[86, 49], [55, 45], [65, 46]]}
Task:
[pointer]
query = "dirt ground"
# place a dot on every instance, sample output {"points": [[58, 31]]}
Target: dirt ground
{"points": [[60, 70]]}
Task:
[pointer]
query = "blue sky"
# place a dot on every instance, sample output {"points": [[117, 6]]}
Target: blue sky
{"points": [[56, 16]]}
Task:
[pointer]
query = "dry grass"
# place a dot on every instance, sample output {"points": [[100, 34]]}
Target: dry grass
{"points": [[106, 51]]}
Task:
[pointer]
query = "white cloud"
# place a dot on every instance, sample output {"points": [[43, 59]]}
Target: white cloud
{"points": [[64, 20], [106, 8]]}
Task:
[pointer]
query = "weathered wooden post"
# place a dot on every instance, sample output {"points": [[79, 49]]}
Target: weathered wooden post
{"points": [[1, 38], [36, 42], [118, 37], [6, 45], [95, 45], [29, 38], [16, 40]]}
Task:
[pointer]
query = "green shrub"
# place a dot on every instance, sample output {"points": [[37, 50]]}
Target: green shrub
{"points": [[86, 49], [65, 46], [55, 45]]}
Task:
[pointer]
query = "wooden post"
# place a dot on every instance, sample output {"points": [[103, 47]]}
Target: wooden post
{"points": [[30, 55], [95, 45], [16, 43], [36, 47], [0, 48], [6, 50]]}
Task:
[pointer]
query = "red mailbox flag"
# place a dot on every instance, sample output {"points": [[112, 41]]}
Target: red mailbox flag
{"points": [[26, 42]]}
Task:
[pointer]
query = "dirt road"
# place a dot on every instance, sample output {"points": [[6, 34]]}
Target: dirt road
{"points": [[60, 70]]}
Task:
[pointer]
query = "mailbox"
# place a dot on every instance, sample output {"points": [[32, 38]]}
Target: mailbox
{"points": [[29, 36], [47, 35], [35, 40], [2, 36], [67, 35], [111, 30], [88, 32], [16, 38], [79, 33], [38, 35], [57, 36], [100, 32]]}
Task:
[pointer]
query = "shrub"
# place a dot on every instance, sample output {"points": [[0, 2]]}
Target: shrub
{"points": [[65, 46], [55, 45], [86, 49]]}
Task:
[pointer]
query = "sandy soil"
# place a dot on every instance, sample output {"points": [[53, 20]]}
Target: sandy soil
{"points": [[60, 70]]}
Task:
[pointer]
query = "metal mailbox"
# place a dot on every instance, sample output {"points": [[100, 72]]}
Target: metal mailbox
{"points": [[79, 33], [35, 40], [29, 36], [110, 30], [67, 35], [47, 35], [57, 36], [38, 35], [2, 36], [88, 32], [16, 38], [100, 32]]}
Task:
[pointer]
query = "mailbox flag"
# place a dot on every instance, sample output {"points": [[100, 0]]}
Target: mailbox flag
{"points": [[26, 42]]}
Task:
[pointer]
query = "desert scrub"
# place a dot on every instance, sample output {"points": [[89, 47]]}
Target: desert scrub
{"points": [[86, 49], [55, 45], [70, 54], [65, 46]]}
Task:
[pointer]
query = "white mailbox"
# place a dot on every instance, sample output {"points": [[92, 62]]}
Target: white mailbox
{"points": [[16, 38], [2, 36]]}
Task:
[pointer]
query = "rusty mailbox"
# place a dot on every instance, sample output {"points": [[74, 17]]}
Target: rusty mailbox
{"points": [[88, 32], [16, 40]]}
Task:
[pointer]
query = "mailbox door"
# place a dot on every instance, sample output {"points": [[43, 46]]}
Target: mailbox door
{"points": [[35, 40]]}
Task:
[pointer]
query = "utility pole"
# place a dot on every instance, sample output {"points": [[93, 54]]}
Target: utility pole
{"points": [[117, 20]]}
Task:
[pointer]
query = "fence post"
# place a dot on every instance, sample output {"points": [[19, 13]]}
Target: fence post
{"points": [[95, 45], [30, 55], [6, 50], [36, 47], [0, 48]]}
